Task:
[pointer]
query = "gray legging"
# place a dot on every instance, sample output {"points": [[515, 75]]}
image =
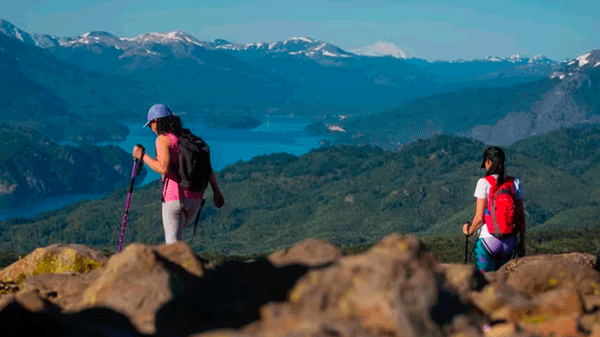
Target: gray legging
{"points": [[176, 220]]}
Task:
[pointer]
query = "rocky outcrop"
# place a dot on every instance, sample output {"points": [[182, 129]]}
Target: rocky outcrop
{"points": [[396, 288], [310, 252], [54, 259]]}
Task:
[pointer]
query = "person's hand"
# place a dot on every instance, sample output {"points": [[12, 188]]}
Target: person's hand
{"points": [[466, 228], [138, 152], [218, 199]]}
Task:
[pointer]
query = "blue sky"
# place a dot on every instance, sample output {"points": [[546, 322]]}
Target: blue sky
{"points": [[435, 30]]}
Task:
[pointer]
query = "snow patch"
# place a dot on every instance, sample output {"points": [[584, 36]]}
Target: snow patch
{"points": [[19, 36], [571, 63], [86, 34], [597, 64], [384, 48], [493, 59], [321, 46], [583, 59], [301, 38], [335, 128], [515, 58], [326, 53]]}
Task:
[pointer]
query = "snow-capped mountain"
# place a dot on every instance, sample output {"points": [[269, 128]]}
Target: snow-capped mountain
{"points": [[517, 59], [385, 48], [294, 46], [12, 31], [587, 61]]}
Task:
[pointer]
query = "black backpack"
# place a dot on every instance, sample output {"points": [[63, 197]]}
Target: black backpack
{"points": [[194, 162]]}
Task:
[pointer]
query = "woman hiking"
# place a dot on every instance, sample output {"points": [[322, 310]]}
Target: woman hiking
{"points": [[499, 215], [178, 204]]}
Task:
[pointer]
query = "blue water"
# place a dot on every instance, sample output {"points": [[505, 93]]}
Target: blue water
{"points": [[276, 134]]}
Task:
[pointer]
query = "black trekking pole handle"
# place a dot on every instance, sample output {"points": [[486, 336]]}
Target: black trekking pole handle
{"points": [[141, 160], [138, 167]]}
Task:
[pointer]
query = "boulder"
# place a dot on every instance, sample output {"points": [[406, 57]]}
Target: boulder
{"points": [[500, 302], [310, 252], [229, 296], [541, 273], [64, 290], [58, 258], [464, 278], [29, 300], [392, 289], [140, 279]]}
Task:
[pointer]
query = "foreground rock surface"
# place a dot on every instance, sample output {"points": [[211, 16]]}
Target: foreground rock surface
{"points": [[396, 288], [54, 259]]}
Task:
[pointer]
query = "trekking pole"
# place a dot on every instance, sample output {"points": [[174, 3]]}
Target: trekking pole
{"points": [[137, 166], [197, 217], [467, 245]]}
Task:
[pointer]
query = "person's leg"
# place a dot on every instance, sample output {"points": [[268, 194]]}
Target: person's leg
{"points": [[483, 259], [190, 207], [171, 214]]}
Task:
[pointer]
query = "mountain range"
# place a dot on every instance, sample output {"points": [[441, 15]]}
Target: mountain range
{"points": [[297, 73], [83, 84], [502, 116]]}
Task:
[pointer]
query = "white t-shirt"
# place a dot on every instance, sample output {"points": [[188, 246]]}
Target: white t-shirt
{"points": [[482, 190]]}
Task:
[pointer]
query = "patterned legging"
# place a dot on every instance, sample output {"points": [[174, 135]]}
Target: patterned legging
{"points": [[491, 253]]}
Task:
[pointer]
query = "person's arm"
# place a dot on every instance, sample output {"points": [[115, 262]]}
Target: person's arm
{"points": [[217, 196], [159, 165], [471, 228]]}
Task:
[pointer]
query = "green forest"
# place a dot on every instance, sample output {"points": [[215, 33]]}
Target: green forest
{"points": [[352, 196]]}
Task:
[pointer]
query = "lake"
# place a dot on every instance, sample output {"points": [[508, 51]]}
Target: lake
{"points": [[276, 134]]}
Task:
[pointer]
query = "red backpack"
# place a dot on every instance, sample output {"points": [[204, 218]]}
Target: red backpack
{"points": [[500, 221]]}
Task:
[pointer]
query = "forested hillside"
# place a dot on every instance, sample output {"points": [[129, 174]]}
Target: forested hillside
{"points": [[34, 167], [351, 196]]}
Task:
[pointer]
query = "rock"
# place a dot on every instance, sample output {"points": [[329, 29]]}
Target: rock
{"points": [[563, 326], [500, 330], [182, 255], [310, 252], [139, 280], [462, 277], [29, 300], [537, 274], [64, 290], [559, 302], [8, 288], [390, 289], [502, 303], [227, 297], [18, 321], [57, 258], [590, 322]]}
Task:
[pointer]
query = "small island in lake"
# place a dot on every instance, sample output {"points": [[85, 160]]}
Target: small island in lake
{"points": [[223, 121]]}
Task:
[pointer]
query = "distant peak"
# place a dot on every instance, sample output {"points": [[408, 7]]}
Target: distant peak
{"points": [[385, 48], [98, 34], [302, 38], [220, 42]]}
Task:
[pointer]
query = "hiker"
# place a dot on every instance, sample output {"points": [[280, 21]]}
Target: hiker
{"points": [[498, 232], [179, 205]]}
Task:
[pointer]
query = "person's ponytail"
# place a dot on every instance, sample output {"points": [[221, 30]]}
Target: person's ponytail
{"points": [[496, 155]]}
